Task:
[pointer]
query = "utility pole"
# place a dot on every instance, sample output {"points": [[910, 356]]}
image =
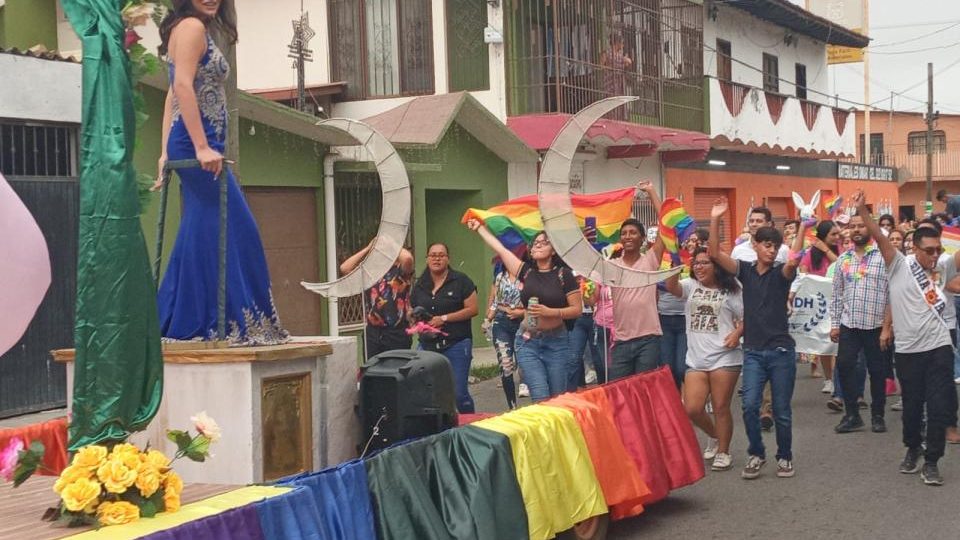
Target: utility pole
{"points": [[866, 85], [930, 120]]}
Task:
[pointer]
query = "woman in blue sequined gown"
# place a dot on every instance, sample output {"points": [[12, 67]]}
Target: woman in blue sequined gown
{"points": [[195, 127]]}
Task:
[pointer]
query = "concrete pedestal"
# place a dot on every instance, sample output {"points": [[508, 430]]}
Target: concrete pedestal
{"points": [[282, 409]]}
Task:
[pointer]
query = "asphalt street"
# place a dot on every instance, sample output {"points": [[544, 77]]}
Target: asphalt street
{"points": [[846, 486]]}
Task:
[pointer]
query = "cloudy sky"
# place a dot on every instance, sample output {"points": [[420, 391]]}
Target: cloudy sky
{"points": [[906, 34]]}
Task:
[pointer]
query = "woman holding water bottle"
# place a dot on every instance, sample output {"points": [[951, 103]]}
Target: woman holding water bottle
{"points": [[551, 296]]}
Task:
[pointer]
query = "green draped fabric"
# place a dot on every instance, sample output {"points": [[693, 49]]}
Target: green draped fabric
{"points": [[118, 374], [459, 484]]}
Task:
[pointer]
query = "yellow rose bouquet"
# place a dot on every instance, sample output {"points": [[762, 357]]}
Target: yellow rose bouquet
{"points": [[120, 483]]}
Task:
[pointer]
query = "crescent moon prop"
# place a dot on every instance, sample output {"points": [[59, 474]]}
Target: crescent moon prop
{"points": [[556, 209], [24, 267], [394, 218]]}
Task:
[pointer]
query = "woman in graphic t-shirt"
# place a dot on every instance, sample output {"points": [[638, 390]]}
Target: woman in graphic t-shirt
{"points": [[714, 312], [542, 346]]}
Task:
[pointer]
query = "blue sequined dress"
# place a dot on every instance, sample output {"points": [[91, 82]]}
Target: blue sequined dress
{"points": [[188, 294]]}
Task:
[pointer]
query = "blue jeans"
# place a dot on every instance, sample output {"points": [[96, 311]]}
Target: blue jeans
{"points": [[600, 351], [673, 345], [460, 354], [860, 373], [544, 358], [580, 337], [779, 366], [504, 332]]}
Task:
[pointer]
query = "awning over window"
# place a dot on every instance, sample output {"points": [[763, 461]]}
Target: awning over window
{"points": [[620, 138]]}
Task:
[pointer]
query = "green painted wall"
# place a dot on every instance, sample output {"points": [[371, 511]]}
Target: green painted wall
{"points": [[25, 23], [268, 158], [470, 176]]}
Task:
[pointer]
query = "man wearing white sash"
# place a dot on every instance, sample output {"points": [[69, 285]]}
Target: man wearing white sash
{"points": [[924, 352]]}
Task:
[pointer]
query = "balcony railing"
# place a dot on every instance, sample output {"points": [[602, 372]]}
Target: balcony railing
{"points": [[913, 167], [746, 115], [566, 54]]}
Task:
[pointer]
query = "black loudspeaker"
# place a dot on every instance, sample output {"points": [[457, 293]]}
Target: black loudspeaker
{"points": [[405, 394]]}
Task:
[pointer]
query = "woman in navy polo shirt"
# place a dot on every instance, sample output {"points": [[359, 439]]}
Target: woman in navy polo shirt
{"points": [[450, 298]]}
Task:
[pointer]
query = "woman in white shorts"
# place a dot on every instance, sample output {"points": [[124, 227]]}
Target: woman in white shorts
{"points": [[714, 311]]}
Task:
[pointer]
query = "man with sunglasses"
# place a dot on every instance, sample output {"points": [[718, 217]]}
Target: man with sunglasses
{"points": [[924, 352], [948, 266]]}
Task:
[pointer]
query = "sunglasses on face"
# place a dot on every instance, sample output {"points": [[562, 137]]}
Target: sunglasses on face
{"points": [[931, 251]]}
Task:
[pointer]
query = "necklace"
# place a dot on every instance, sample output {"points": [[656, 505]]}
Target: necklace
{"points": [[860, 271]]}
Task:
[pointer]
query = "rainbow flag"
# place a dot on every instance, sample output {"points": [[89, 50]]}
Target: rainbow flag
{"points": [[951, 239], [832, 206], [676, 225], [517, 221]]}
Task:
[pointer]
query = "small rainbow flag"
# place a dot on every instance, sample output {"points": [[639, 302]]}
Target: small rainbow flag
{"points": [[833, 206], [676, 226], [518, 220]]}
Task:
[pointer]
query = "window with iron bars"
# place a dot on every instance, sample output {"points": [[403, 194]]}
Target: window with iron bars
{"points": [[382, 48], [563, 55], [39, 150], [358, 203]]}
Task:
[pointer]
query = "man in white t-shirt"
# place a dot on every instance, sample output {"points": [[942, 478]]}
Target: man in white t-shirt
{"points": [[924, 352], [759, 217], [948, 266]]}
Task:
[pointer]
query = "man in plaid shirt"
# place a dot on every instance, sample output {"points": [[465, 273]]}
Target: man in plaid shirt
{"points": [[860, 321]]}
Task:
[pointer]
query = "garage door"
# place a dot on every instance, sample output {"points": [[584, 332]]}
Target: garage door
{"points": [[287, 218], [703, 199]]}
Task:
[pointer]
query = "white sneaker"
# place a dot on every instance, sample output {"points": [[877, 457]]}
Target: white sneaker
{"points": [[723, 462], [785, 468], [709, 408], [898, 406], [710, 451], [523, 391], [956, 381], [591, 377], [827, 387]]}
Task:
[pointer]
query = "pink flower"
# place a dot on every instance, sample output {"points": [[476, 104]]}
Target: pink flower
{"points": [[206, 426], [9, 457], [131, 38]]}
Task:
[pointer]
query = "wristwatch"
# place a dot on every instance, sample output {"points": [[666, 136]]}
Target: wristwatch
{"points": [[443, 318]]}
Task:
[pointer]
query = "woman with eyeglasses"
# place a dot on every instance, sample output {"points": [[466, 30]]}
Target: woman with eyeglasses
{"points": [[714, 317], [449, 298], [551, 296]]}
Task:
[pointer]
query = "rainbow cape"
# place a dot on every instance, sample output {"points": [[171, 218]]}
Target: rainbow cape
{"points": [[517, 221], [676, 226]]}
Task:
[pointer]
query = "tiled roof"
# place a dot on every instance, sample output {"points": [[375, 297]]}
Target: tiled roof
{"points": [[40, 53]]}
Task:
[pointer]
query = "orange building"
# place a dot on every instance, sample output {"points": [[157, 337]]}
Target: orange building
{"points": [[898, 140], [764, 180]]}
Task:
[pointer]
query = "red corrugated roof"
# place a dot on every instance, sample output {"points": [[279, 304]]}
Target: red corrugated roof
{"points": [[622, 139]]}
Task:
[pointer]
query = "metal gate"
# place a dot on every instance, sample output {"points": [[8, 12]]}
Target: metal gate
{"points": [[30, 380], [39, 161]]}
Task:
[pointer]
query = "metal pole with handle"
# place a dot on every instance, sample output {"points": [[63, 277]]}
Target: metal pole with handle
{"points": [[174, 165]]}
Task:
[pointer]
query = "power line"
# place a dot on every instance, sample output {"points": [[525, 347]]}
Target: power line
{"points": [[916, 38], [911, 25], [954, 44]]}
